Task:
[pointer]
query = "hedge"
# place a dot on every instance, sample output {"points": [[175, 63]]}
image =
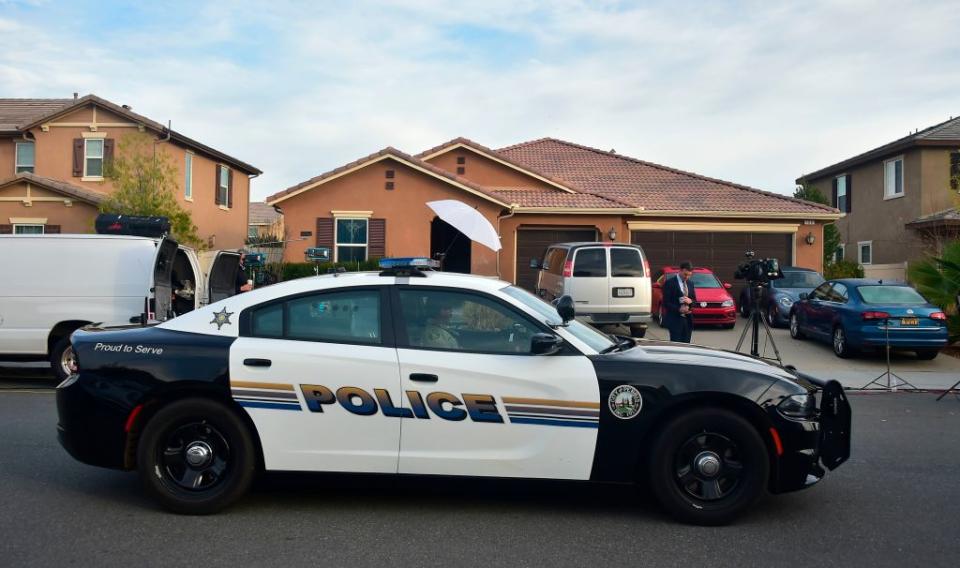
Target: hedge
{"points": [[294, 270]]}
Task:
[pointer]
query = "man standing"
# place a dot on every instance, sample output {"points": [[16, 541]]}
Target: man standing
{"points": [[678, 297]]}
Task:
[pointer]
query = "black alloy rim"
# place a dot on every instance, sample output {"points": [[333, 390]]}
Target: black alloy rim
{"points": [[708, 467], [195, 456]]}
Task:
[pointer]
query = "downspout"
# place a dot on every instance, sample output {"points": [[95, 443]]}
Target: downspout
{"points": [[164, 139], [499, 218]]}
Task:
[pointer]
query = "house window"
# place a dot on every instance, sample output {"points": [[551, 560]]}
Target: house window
{"points": [[351, 241], [25, 157], [842, 193], [93, 157], [893, 178], [866, 252], [223, 186], [188, 176], [839, 254], [252, 232], [25, 229]]}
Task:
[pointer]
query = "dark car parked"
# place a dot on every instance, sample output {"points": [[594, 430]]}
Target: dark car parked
{"points": [[855, 313], [782, 293]]}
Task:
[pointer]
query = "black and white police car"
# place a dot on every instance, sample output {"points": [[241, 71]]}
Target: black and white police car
{"points": [[411, 371]]}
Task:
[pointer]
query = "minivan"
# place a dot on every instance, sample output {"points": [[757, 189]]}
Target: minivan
{"points": [[609, 282]]}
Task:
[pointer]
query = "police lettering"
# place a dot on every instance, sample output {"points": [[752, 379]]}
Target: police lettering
{"points": [[479, 407]]}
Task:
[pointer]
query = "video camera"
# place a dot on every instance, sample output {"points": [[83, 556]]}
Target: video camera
{"points": [[758, 270]]}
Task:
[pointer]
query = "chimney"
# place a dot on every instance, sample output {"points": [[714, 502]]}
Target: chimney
{"points": [[75, 96]]}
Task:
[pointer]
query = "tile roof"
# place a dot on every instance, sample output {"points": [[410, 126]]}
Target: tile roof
{"points": [[946, 133], [17, 112], [58, 186], [943, 218], [650, 186], [262, 214], [526, 197]]}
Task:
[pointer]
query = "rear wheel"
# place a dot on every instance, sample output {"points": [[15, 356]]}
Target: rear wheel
{"points": [[841, 346], [638, 330], [795, 327], [196, 457], [62, 358], [927, 354], [660, 317], [707, 466]]}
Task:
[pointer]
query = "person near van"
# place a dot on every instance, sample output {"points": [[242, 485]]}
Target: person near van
{"points": [[243, 284], [678, 298]]}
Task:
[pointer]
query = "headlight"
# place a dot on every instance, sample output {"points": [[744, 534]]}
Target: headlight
{"points": [[785, 301], [726, 304], [799, 406]]}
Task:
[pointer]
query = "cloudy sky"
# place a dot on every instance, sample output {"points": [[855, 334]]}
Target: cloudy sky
{"points": [[753, 92]]}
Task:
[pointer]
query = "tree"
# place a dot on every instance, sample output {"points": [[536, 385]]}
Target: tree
{"points": [[145, 183], [831, 235], [937, 278]]}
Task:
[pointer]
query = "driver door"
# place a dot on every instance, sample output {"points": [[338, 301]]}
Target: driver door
{"points": [[479, 403]]}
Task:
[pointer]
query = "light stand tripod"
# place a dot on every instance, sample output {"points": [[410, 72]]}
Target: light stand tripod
{"points": [[755, 321], [889, 385]]}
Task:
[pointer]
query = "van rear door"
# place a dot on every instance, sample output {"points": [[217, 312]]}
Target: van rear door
{"points": [[162, 273], [629, 286], [589, 283], [220, 269]]}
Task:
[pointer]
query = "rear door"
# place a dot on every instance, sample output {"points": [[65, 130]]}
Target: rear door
{"points": [[550, 280], [590, 281], [162, 275], [629, 282], [220, 269]]}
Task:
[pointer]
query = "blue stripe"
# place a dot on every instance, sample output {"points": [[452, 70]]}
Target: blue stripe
{"points": [[276, 405], [548, 422]]}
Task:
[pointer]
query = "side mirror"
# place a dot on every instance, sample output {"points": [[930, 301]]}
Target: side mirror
{"points": [[545, 344], [727, 285], [535, 264], [656, 285], [804, 295], [565, 308]]}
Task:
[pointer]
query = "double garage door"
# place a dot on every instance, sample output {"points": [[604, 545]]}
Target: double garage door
{"points": [[722, 252]]}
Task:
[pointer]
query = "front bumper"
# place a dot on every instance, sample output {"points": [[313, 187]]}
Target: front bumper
{"points": [[714, 316]]}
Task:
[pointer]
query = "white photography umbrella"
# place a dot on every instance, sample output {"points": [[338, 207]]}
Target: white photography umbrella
{"points": [[468, 221]]}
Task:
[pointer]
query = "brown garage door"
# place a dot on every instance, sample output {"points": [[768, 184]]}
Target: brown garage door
{"points": [[720, 252], [533, 242]]}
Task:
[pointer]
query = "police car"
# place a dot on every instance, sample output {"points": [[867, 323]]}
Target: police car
{"points": [[411, 371]]}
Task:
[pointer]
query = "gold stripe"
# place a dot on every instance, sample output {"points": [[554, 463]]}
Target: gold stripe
{"points": [[548, 402], [255, 385]]}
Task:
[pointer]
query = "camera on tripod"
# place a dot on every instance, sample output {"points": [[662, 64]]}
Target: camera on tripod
{"points": [[758, 270]]}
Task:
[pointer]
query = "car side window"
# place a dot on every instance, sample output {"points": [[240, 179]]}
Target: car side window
{"points": [[838, 293], [590, 263], [555, 258], [349, 316], [820, 293], [455, 321]]}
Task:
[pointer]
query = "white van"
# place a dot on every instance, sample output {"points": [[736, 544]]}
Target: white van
{"points": [[52, 285], [609, 282]]}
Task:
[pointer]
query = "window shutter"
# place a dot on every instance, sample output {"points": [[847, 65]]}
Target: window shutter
{"points": [[377, 240], [849, 193], [107, 153], [77, 157], [834, 198], [51, 229], [216, 185], [955, 170], [6, 229], [229, 188], [325, 232]]}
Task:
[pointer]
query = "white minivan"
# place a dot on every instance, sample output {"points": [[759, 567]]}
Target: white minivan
{"points": [[609, 282], [55, 284]]}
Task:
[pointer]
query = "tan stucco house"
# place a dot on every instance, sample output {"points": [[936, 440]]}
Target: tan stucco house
{"points": [[540, 192], [898, 201], [52, 153]]}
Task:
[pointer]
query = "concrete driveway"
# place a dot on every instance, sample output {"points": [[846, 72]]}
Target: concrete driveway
{"points": [[817, 358]]}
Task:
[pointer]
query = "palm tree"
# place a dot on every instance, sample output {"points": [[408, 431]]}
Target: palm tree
{"points": [[938, 279]]}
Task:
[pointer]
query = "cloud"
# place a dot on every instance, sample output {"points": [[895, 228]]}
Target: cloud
{"points": [[757, 93]]}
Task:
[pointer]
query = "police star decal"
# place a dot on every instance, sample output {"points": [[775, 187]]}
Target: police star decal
{"points": [[221, 318]]}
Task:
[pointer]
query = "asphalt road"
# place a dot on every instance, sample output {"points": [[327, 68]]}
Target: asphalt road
{"points": [[893, 504]]}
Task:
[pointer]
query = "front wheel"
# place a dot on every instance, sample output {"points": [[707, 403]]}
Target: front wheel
{"points": [[927, 354], [196, 457], [707, 466], [772, 316], [62, 359]]}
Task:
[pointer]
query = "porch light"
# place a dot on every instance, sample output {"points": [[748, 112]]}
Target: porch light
{"points": [[612, 233], [810, 239]]}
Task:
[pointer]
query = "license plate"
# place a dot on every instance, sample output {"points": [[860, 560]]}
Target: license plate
{"points": [[623, 292], [909, 321]]}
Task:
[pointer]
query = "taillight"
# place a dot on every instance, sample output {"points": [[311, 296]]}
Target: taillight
{"points": [[568, 269], [875, 315], [938, 316], [646, 267]]}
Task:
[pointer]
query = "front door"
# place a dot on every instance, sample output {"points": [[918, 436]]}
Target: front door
{"points": [[316, 372], [478, 403]]}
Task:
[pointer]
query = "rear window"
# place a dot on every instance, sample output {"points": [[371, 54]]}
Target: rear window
{"points": [[890, 295], [625, 262], [590, 263], [799, 280], [704, 280]]}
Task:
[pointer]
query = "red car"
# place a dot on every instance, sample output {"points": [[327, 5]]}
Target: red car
{"points": [[714, 305]]}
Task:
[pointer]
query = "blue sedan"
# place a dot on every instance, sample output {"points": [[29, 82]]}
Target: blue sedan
{"points": [[857, 313]]}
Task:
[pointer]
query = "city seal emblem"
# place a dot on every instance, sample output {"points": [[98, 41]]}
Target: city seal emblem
{"points": [[625, 402]]}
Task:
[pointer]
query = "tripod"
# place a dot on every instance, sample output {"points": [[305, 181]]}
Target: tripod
{"points": [[893, 381], [755, 321]]}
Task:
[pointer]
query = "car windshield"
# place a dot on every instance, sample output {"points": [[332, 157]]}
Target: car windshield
{"points": [[583, 332], [704, 280], [904, 295], [799, 279]]}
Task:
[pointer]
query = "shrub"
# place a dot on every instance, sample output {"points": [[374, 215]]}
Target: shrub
{"points": [[842, 269], [293, 270]]}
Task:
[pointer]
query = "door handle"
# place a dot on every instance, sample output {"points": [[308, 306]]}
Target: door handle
{"points": [[257, 362], [423, 377]]}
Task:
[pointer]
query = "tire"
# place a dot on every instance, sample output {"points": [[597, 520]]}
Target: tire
{"points": [[638, 331], [61, 358], [728, 325], [927, 354], [772, 316], [197, 424], [720, 438], [660, 317], [841, 345], [744, 309], [795, 332]]}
